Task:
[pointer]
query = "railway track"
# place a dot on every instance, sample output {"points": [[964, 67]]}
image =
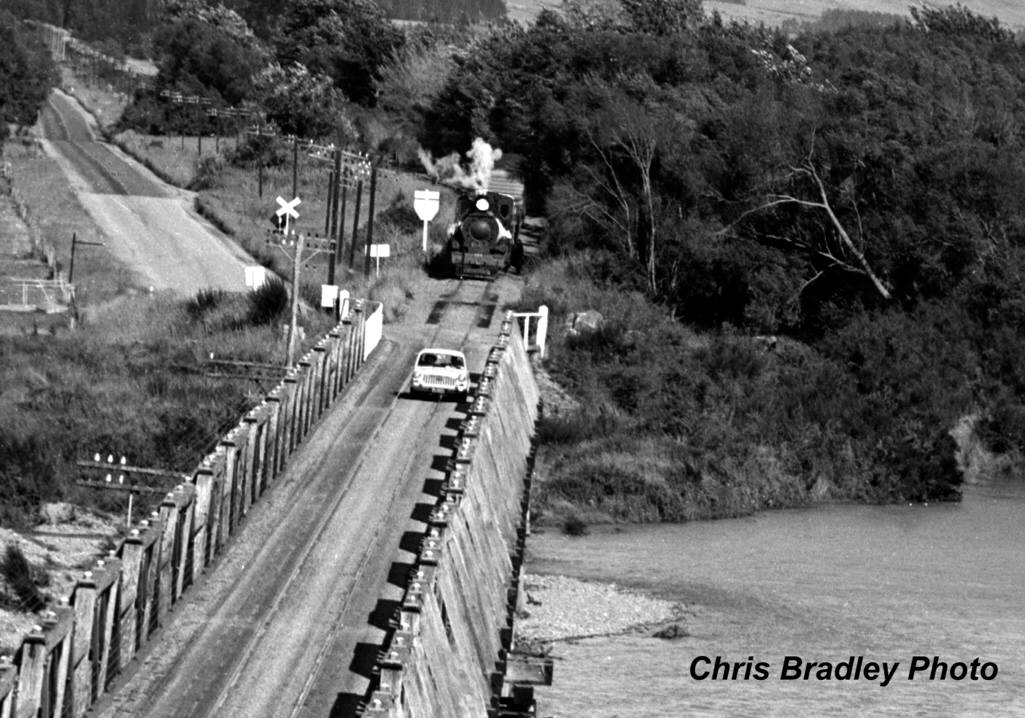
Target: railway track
{"points": [[483, 306]]}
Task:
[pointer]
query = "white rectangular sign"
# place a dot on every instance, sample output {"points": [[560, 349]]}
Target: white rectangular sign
{"points": [[256, 275], [328, 295], [380, 250]]}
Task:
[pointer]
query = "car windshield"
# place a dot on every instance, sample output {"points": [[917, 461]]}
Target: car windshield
{"points": [[440, 360]]}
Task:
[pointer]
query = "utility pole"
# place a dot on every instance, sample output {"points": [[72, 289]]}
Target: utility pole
{"points": [[295, 166], [370, 220], [293, 322], [75, 241], [339, 228], [331, 220], [355, 225], [292, 239]]}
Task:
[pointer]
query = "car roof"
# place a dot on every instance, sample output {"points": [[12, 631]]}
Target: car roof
{"points": [[450, 352]]}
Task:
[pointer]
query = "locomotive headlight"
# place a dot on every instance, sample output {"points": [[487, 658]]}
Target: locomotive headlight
{"points": [[482, 204]]}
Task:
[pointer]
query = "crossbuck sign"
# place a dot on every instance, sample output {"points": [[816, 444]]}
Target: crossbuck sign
{"points": [[287, 210]]}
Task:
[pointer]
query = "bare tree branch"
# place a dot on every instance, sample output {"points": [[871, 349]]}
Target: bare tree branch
{"points": [[848, 246], [616, 191]]}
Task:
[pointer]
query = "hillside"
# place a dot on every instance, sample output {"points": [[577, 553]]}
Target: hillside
{"points": [[776, 12]]}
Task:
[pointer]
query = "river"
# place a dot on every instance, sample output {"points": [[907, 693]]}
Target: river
{"points": [[881, 583]]}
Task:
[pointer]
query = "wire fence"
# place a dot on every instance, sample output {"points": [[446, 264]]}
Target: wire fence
{"points": [[30, 294]]}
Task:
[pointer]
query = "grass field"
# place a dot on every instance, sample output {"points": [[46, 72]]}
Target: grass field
{"points": [[776, 12]]}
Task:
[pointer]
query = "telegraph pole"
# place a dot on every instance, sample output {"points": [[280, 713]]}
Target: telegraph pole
{"points": [[75, 241], [295, 166], [339, 228], [370, 220], [355, 225], [331, 220], [293, 322]]}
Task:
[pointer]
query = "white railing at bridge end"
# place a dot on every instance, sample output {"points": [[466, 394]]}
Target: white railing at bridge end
{"points": [[540, 337]]}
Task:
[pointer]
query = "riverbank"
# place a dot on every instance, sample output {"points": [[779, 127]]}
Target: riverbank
{"points": [[563, 609]]}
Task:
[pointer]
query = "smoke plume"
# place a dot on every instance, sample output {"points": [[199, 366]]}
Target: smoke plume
{"points": [[450, 171]]}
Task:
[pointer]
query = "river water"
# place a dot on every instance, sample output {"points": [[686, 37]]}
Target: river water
{"points": [[884, 584]]}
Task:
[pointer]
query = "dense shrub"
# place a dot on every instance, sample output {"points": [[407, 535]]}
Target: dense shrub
{"points": [[22, 579], [268, 303]]}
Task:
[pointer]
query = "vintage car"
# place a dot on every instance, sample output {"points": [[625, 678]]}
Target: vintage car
{"points": [[440, 371]]}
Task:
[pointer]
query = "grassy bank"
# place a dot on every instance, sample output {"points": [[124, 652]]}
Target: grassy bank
{"points": [[132, 382], [672, 425]]}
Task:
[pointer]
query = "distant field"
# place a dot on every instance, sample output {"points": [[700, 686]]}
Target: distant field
{"points": [[1011, 13], [774, 12]]}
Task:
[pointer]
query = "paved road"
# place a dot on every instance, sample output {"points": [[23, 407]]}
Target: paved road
{"points": [[148, 226], [292, 619]]}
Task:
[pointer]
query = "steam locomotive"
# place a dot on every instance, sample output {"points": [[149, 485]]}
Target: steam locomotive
{"points": [[485, 238]]}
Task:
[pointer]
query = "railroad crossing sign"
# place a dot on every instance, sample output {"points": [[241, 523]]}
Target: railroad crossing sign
{"points": [[426, 203], [287, 210]]}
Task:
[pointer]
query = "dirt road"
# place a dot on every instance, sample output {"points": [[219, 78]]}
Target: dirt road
{"points": [[148, 225]]}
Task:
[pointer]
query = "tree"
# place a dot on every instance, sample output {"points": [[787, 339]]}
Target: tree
{"points": [[347, 40], [304, 104], [662, 17], [957, 20], [626, 136], [197, 56], [413, 77], [848, 255], [27, 74]]}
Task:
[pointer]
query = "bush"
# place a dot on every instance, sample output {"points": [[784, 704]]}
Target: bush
{"points": [[22, 579], [205, 301], [573, 525], [268, 303]]}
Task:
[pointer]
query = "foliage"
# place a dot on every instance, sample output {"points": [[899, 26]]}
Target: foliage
{"points": [[19, 575], [956, 19], [133, 383], [119, 25], [198, 56], [662, 17], [413, 76], [268, 303], [837, 19], [304, 104], [346, 40], [203, 51], [462, 12], [26, 75], [857, 192]]}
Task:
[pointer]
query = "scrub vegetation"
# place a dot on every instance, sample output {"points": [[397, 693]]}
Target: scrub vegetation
{"points": [[133, 382], [806, 245]]}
